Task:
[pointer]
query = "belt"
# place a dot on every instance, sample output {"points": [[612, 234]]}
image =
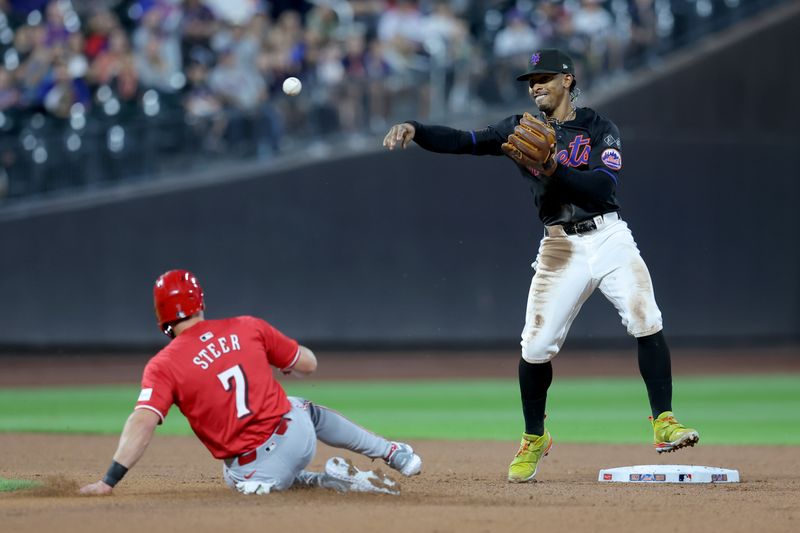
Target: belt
{"points": [[248, 457], [583, 226]]}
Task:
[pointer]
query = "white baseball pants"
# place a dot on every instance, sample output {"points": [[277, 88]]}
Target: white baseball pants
{"points": [[568, 270]]}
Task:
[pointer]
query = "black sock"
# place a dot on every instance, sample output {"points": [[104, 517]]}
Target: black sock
{"points": [[534, 380], [656, 370]]}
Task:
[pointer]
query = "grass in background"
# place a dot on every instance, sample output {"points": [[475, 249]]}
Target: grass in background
{"points": [[10, 485], [726, 410]]}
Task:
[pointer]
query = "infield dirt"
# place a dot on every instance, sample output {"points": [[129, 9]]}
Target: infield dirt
{"points": [[178, 486]]}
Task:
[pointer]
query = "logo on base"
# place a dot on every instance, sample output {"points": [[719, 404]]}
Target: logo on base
{"points": [[647, 477]]}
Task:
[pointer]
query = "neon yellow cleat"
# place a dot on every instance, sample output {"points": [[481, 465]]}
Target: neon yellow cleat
{"points": [[670, 435], [526, 463]]}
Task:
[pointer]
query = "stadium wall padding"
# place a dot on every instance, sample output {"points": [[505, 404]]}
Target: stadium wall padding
{"points": [[411, 247]]}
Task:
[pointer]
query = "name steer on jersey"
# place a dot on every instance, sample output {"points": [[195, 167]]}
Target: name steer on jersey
{"points": [[219, 374], [210, 353], [586, 244]]}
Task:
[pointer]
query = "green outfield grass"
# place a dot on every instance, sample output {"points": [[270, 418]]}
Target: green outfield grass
{"points": [[726, 410]]}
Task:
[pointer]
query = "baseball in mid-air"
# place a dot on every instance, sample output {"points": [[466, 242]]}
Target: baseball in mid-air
{"points": [[292, 86]]}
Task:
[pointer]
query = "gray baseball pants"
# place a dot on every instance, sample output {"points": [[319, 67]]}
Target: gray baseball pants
{"points": [[280, 461]]}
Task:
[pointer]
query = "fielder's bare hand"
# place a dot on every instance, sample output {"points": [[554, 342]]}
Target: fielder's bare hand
{"points": [[400, 133], [98, 488]]}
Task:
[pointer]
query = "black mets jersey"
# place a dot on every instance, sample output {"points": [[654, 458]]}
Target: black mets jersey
{"points": [[589, 155]]}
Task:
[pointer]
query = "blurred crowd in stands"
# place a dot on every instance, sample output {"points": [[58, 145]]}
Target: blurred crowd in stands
{"points": [[94, 90]]}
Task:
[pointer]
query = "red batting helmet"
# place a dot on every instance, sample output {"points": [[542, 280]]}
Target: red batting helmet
{"points": [[177, 295]]}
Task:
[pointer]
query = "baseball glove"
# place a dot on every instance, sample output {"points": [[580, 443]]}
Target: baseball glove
{"points": [[532, 145]]}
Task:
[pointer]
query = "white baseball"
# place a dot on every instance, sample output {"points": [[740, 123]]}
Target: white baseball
{"points": [[292, 86]]}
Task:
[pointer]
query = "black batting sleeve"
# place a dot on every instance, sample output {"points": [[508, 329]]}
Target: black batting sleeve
{"points": [[605, 162], [595, 183], [446, 140]]}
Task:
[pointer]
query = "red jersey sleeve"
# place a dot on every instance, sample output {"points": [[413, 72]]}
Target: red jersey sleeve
{"points": [[282, 351], [157, 392]]}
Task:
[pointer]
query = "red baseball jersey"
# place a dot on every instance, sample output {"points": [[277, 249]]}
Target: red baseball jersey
{"points": [[218, 373]]}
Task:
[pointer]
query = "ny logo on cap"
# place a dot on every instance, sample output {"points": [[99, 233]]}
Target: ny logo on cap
{"points": [[535, 58]]}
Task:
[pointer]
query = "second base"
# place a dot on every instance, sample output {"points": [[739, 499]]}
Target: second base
{"points": [[668, 474]]}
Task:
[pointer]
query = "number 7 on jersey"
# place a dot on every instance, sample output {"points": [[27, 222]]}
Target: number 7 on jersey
{"points": [[236, 375]]}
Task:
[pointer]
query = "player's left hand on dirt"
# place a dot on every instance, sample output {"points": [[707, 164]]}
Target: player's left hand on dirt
{"points": [[98, 488], [532, 145]]}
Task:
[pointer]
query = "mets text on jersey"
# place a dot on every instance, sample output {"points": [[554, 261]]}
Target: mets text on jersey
{"points": [[210, 353], [578, 153]]}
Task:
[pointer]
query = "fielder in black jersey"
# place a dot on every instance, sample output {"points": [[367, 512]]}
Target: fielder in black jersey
{"points": [[589, 158], [586, 246]]}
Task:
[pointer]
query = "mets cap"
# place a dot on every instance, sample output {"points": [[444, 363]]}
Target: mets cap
{"points": [[548, 61]]}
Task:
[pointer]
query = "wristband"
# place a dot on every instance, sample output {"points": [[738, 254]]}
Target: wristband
{"points": [[115, 473]]}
